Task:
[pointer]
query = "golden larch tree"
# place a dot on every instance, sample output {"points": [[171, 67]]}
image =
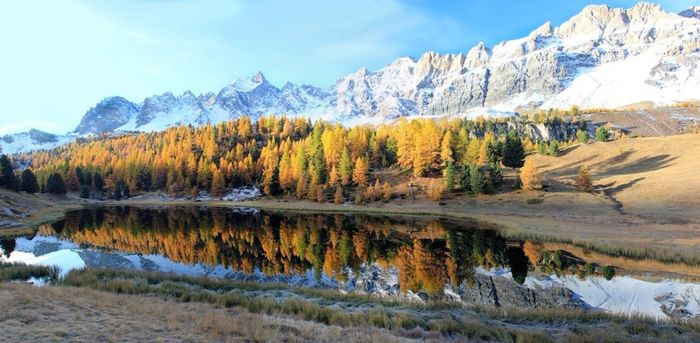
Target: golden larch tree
{"points": [[529, 176]]}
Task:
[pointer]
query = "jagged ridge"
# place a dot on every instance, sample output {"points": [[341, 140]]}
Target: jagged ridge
{"points": [[601, 57]]}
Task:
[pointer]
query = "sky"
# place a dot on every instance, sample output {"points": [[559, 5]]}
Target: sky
{"points": [[58, 58]]}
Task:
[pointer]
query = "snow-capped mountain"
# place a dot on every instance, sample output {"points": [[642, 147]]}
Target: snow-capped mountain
{"points": [[254, 96], [32, 140], [601, 57]]}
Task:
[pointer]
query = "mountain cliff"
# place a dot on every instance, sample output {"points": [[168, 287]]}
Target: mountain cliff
{"points": [[600, 58]]}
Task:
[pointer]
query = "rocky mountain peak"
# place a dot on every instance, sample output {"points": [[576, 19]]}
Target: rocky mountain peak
{"points": [[247, 84], [601, 57], [693, 12], [109, 114], [544, 30]]}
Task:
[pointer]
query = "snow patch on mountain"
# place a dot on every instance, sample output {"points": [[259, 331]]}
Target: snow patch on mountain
{"points": [[601, 57], [32, 140]]}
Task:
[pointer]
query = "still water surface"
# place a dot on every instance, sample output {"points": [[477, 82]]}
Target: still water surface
{"points": [[409, 257]]}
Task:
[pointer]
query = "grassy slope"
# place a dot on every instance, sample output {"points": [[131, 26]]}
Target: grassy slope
{"points": [[33, 209], [54, 314], [163, 307]]}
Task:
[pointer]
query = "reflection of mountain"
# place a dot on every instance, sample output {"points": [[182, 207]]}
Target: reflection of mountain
{"points": [[291, 244], [352, 253]]}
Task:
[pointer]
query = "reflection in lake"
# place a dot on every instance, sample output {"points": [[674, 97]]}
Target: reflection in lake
{"points": [[400, 257], [426, 254]]}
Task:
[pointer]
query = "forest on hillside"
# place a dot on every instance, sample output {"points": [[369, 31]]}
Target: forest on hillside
{"points": [[293, 156]]}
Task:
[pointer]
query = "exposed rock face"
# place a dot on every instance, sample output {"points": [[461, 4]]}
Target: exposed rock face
{"points": [[601, 57], [108, 115], [501, 291], [486, 290]]}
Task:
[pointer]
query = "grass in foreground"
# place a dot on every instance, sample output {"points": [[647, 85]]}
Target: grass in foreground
{"points": [[405, 320], [22, 272]]}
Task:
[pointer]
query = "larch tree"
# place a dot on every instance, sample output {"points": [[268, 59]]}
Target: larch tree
{"points": [[386, 191], [333, 177], [360, 174], [472, 153], [584, 183], [447, 148], [72, 181], [218, 184], [427, 148], [529, 176], [338, 196]]}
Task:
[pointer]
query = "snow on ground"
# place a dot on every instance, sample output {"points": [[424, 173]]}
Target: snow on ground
{"points": [[242, 193]]}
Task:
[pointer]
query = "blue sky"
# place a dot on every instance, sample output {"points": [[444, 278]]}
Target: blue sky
{"points": [[60, 57]]}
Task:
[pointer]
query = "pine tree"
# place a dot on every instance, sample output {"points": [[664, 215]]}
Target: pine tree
{"points": [[87, 178], [79, 174], [319, 166], [554, 148], [584, 182], [477, 181], [55, 184], [84, 191], [513, 151], [542, 148], [448, 175], [602, 134], [465, 178], [7, 174], [360, 174], [345, 168], [494, 152], [495, 174], [582, 136], [29, 183], [529, 176], [98, 181]]}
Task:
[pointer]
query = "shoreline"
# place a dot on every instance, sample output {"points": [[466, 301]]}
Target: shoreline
{"points": [[583, 220]]}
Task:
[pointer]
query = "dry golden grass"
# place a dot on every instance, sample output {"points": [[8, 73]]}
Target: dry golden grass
{"points": [[55, 314], [652, 177], [37, 209]]}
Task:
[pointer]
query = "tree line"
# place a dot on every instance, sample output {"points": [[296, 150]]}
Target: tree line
{"points": [[318, 161]]}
